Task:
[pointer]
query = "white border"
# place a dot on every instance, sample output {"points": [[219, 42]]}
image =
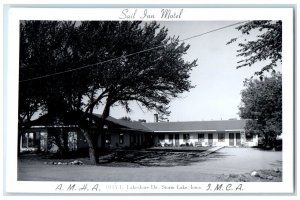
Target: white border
{"points": [[207, 14]]}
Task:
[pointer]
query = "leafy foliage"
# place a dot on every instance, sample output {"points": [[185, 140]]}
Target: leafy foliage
{"points": [[46, 48], [151, 78], [266, 47], [262, 102]]}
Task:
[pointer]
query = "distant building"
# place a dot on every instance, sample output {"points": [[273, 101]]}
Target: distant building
{"points": [[202, 133], [126, 134]]}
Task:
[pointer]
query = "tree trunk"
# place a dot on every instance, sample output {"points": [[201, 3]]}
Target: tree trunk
{"points": [[103, 127], [92, 139], [102, 135], [92, 149], [95, 140]]}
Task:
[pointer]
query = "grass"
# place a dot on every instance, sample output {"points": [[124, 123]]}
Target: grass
{"points": [[266, 175]]}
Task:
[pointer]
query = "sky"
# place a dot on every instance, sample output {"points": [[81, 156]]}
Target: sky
{"points": [[218, 82]]}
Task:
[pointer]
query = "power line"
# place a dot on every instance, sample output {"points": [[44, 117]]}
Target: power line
{"points": [[128, 55]]}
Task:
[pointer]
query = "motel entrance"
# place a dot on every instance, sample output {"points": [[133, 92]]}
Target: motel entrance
{"points": [[237, 139], [177, 140], [231, 139], [210, 139]]}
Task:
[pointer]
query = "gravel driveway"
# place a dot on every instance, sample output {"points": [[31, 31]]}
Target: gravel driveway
{"points": [[224, 161], [240, 160]]}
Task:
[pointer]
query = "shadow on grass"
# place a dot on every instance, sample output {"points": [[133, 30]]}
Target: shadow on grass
{"points": [[151, 158], [133, 158]]}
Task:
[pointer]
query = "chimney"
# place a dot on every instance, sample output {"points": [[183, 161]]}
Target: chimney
{"points": [[155, 117]]}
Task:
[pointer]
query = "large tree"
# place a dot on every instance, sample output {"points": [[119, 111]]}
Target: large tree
{"points": [[83, 65], [151, 77], [262, 103], [266, 46], [45, 48]]}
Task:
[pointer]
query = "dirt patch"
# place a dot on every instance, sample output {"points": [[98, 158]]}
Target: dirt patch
{"points": [[150, 158], [269, 175]]}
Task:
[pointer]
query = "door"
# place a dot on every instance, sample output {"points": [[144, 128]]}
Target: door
{"points": [[132, 140], [210, 139], [231, 139], [201, 139], [138, 139], [176, 140], [238, 139], [171, 139]]}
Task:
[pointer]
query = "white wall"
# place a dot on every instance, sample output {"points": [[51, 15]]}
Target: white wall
{"points": [[253, 143], [194, 139]]}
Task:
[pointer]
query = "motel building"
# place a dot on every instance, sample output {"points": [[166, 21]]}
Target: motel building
{"points": [[127, 134], [203, 133]]}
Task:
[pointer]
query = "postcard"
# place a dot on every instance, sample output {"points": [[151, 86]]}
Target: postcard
{"points": [[144, 100]]}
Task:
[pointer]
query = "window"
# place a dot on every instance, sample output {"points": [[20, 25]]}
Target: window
{"points": [[121, 138], [43, 141], [72, 141], [30, 140], [249, 137], [201, 137], [27, 140], [24, 140], [186, 137], [221, 137]]}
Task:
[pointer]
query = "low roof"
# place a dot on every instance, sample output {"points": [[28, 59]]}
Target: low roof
{"points": [[221, 125], [128, 124], [188, 126]]}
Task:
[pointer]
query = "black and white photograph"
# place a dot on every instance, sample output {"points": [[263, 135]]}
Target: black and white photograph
{"points": [[216, 100], [140, 100]]}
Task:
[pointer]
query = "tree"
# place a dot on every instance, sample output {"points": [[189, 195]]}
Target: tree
{"points": [[107, 64], [151, 78], [262, 103], [266, 47], [45, 48], [126, 118]]}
